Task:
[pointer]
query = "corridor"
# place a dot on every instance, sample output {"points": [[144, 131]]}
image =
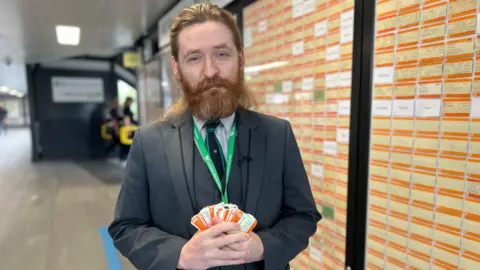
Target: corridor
{"points": [[53, 213]]}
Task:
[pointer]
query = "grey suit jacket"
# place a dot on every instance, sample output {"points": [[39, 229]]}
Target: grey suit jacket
{"points": [[155, 204]]}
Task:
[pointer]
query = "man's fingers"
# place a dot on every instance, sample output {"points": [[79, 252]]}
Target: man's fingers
{"points": [[239, 246], [230, 254], [216, 263], [221, 228], [217, 220], [228, 239], [227, 248]]}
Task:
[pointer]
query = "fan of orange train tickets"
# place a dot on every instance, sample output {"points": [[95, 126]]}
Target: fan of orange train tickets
{"points": [[228, 213]]}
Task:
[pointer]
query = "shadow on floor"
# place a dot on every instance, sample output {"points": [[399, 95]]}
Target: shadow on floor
{"points": [[110, 174]]}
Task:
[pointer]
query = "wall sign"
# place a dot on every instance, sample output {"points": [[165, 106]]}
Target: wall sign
{"points": [[77, 90]]}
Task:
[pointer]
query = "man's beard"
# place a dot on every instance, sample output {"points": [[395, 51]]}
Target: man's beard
{"points": [[215, 97]]}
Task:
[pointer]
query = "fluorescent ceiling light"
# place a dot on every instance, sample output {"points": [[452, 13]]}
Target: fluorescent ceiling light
{"points": [[68, 35], [258, 68], [13, 92], [20, 95], [4, 89]]}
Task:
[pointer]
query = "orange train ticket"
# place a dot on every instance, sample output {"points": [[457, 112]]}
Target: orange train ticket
{"points": [[228, 213]]}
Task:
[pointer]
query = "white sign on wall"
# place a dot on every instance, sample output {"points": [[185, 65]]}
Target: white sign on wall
{"points": [[77, 90]]}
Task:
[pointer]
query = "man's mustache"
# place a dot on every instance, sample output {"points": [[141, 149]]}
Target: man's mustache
{"points": [[214, 82]]}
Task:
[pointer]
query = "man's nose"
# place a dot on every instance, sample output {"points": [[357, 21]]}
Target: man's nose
{"points": [[211, 68]]}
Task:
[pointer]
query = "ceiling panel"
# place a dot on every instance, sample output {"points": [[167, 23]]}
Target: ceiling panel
{"points": [[27, 30]]}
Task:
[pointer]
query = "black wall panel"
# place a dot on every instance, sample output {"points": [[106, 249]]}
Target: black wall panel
{"points": [[68, 131]]}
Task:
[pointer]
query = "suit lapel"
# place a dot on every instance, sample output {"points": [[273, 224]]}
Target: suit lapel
{"points": [[251, 138], [178, 142]]}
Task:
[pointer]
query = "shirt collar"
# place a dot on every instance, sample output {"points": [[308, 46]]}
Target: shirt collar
{"points": [[227, 122]]}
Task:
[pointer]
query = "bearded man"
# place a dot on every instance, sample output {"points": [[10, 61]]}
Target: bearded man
{"points": [[212, 148]]}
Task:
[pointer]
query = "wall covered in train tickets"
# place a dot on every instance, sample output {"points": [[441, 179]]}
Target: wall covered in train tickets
{"points": [[424, 198], [299, 59]]}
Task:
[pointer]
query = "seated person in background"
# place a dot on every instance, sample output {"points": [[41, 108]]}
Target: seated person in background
{"points": [[127, 111], [115, 121]]}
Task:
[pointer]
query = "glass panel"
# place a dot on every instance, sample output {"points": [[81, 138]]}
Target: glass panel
{"points": [[299, 60], [424, 182], [159, 85], [150, 92]]}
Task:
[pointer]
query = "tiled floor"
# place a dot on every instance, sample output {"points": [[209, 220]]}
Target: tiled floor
{"points": [[51, 212]]}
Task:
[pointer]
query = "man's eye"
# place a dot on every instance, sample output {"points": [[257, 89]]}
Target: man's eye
{"points": [[222, 54], [193, 59]]}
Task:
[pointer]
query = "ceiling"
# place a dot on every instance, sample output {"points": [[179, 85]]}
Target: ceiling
{"points": [[27, 30]]}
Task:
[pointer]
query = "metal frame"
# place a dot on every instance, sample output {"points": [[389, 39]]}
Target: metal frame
{"points": [[31, 71], [237, 7], [360, 116]]}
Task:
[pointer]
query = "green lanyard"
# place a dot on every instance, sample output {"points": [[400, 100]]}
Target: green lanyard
{"points": [[208, 160]]}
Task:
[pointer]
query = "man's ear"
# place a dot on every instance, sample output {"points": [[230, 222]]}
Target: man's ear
{"points": [[242, 59], [175, 67]]}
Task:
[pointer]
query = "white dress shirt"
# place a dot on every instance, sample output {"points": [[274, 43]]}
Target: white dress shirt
{"points": [[222, 131]]}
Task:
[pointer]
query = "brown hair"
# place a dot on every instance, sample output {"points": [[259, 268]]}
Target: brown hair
{"points": [[200, 13]]}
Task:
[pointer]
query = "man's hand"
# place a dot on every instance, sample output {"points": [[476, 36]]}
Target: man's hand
{"points": [[205, 251], [254, 244]]}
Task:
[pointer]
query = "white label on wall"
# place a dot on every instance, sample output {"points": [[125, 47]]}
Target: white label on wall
{"points": [[333, 53], [346, 27], [297, 8], [475, 107], [321, 28], [343, 135], [77, 90], [303, 96], [331, 80], [309, 6], [428, 107], [330, 148], [316, 254], [262, 26], [404, 107], [276, 98], [287, 86], [269, 98], [344, 79], [346, 18], [346, 34], [383, 75], [382, 108], [344, 107], [317, 170], [247, 37], [297, 48], [308, 83]]}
